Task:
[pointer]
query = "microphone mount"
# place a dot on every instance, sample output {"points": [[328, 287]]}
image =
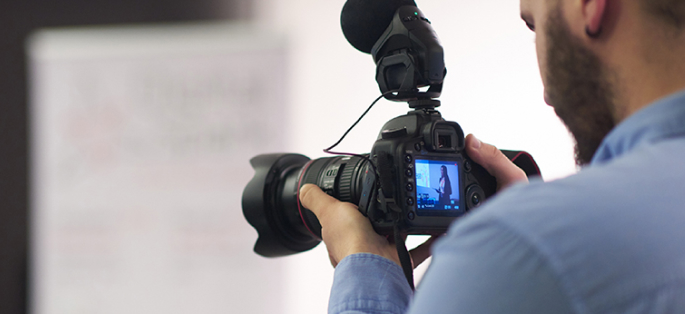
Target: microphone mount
{"points": [[408, 57]]}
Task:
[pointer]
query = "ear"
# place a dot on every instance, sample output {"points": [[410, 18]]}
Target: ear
{"points": [[593, 15]]}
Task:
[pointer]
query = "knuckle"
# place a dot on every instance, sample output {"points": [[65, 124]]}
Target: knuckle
{"points": [[491, 157], [521, 174], [493, 151], [489, 152]]}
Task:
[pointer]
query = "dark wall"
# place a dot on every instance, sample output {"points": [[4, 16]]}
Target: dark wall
{"points": [[18, 18]]}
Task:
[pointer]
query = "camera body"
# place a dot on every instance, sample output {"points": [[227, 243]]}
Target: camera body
{"points": [[400, 184], [424, 177], [417, 178]]}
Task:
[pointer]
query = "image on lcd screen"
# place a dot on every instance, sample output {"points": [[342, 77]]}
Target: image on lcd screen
{"points": [[437, 185]]}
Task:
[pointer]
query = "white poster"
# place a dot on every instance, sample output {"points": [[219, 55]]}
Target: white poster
{"points": [[141, 138]]}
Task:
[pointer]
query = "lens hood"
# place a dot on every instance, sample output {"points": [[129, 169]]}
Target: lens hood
{"points": [[273, 188]]}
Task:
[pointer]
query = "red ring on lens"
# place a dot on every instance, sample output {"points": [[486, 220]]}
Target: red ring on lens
{"points": [[299, 206]]}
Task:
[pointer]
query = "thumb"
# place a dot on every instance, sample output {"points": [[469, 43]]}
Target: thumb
{"points": [[314, 199], [494, 161]]}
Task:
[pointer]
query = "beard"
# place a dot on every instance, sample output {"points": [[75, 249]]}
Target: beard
{"points": [[578, 88]]}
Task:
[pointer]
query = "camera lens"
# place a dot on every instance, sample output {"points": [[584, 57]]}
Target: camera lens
{"points": [[270, 199]]}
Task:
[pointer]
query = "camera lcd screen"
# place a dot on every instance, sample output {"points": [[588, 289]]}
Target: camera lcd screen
{"points": [[437, 187]]}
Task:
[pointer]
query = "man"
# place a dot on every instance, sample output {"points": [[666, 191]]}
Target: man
{"points": [[606, 240]]}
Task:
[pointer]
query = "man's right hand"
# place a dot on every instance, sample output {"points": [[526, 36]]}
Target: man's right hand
{"points": [[492, 159]]}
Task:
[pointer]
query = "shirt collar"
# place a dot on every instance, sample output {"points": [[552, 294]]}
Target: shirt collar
{"points": [[662, 119]]}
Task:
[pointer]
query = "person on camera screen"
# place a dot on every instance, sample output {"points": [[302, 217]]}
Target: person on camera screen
{"points": [[605, 240], [445, 187]]}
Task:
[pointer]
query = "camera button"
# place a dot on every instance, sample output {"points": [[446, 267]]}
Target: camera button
{"points": [[475, 199], [409, 173], [409, 187], [417, 147], [411, 215], [410, 201], [467, 166], [408, 158], [474, 196]]}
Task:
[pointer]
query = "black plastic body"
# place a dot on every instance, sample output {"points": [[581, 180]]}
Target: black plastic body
{"points": [[270, 205], [408, 55], [271, 199], [383, 184], [402, 141]]}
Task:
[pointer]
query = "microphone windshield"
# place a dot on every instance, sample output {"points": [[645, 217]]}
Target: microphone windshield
{"points": [[364, 21]]}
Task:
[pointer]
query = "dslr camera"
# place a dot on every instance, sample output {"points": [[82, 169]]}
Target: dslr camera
{"points": [[417, 177]]}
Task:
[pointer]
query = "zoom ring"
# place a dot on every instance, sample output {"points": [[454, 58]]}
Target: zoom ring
{"points": [[346, 183]]}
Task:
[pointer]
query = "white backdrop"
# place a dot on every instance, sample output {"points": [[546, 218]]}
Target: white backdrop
{"points": [[493, 90], [141, 138]]}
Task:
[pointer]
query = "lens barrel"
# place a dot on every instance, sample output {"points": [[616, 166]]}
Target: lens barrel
{"points": [[270, 200]]}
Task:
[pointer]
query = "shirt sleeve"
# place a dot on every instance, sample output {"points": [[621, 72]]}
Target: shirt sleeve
{"points": [[368, 283], [483, 266]]}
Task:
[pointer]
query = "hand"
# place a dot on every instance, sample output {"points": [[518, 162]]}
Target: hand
{"points": [[345, 231], [498, 165]]}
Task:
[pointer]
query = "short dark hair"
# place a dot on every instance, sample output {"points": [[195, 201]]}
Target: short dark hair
{"points": [[671, 12]]}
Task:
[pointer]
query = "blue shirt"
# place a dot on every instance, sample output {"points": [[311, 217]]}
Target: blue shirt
{"points": [[610, 239]]}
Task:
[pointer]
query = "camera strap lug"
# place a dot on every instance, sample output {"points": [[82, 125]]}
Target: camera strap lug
{"points": [[389, 205]]}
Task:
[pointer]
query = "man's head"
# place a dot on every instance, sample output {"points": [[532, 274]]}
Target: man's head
{"points": [[595, 56]]}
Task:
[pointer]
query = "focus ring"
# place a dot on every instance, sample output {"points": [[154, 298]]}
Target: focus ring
{"points": [[346, 182]]}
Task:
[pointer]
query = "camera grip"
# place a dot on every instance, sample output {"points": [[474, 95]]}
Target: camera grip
{"points": [[486, 183], [524, 161]]}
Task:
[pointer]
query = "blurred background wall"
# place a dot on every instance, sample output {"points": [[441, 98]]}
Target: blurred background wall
{"points": [[492, 89], [18, 18]]}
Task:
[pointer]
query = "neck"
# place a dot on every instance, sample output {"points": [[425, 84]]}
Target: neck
{"points": [[649, 65], [639, 91]]}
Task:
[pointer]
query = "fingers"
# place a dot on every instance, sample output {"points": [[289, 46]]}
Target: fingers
{"points": [[344, 229], [422, 252], [334, 262], [314, 199], [498, 165]]}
